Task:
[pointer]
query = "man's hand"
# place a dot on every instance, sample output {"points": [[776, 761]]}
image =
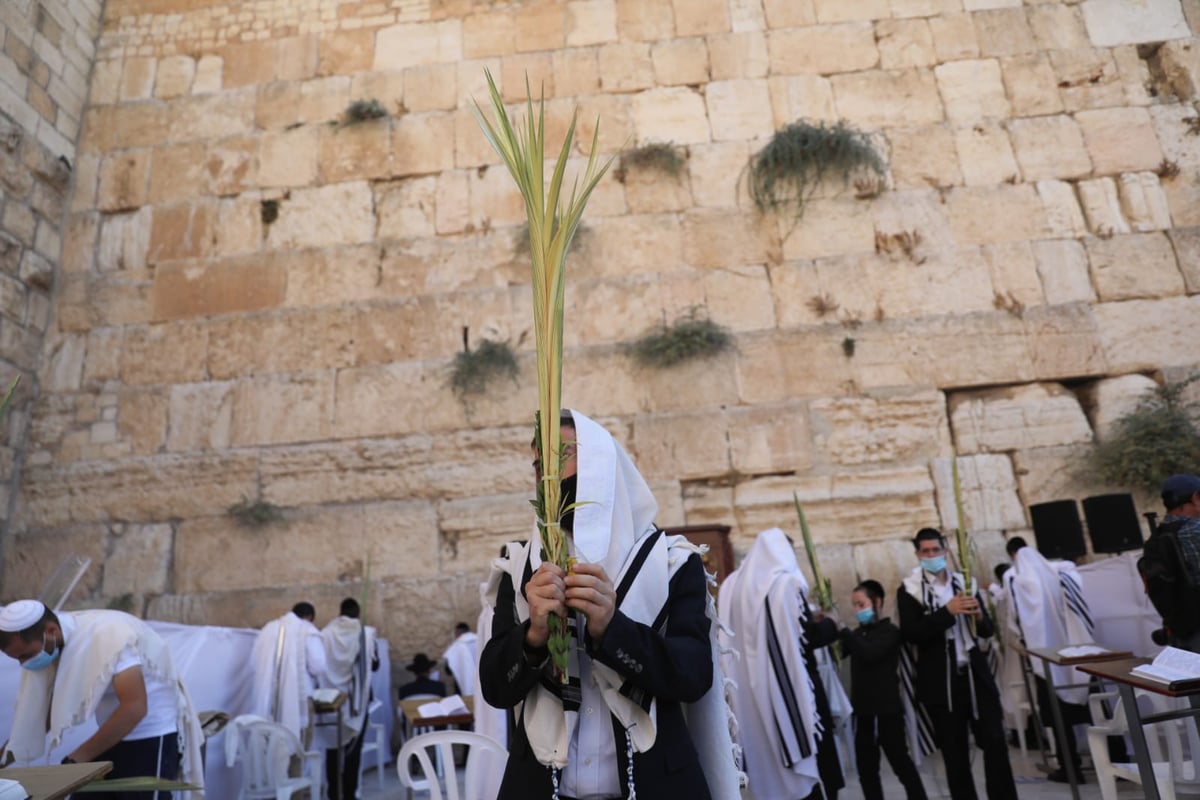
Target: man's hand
{"points": [[546, 593], [963, 604], [589, 590]]}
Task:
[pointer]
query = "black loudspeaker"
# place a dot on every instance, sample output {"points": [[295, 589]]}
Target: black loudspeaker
{"points": [[1113, 523], [1057, 528]]}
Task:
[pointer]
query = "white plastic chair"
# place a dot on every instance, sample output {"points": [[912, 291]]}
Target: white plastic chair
{"points": [[1166, 766], [372, 743], [483, 772], [265, 750]]}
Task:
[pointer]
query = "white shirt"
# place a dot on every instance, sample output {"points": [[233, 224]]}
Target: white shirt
{"points": [[594, 773], [161, 713], [944, 592], [314, 658]]}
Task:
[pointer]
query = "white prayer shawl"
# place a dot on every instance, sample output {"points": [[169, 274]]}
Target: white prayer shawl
{"points": [[71, 688], [615, 515], [489, 720], [774, 700], [462, 659], [1009, 679], [348, 652], [1048, 608], [281, 684]]}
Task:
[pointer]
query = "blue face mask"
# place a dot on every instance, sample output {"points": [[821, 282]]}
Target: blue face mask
{"points": [[41, 660], [866, 616], [934, 565]]}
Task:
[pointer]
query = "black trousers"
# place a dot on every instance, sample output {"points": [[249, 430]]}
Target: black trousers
{"points": [[950, 726], [1072, 713], [884, 732], [345, 787], [157, 756]]}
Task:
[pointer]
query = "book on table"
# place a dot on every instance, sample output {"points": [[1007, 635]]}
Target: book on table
{"points": [[1179, 669], [12, 790], [446, 707]]}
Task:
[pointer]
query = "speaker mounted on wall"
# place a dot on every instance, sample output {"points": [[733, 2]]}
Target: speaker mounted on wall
{"points": [[1113, 523], [1058, 529]]}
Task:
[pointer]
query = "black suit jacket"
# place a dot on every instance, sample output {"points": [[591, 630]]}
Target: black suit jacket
{"points": [[674, 668], [927, 630], [874, 660]]}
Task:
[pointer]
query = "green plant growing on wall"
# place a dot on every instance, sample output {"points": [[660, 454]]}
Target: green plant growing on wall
{"points": [[664, 157], [255, 513], [269, 209], [785, 173], [1158, 438], [362, 111], [474, 370], [691, 336]]}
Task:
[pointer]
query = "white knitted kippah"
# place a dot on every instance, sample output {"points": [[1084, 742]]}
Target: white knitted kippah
{"points": [[16, 617]]}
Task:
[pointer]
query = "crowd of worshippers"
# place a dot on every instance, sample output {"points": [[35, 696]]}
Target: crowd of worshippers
{"points": [[644, 706]]}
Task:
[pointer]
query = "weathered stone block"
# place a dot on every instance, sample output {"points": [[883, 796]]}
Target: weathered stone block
{"points": [[738, 109], [1004, 32], [1050, 147], [769, 439], [1107, 400], [209, 117], [796, 97], [874, 430], [923, 156], [1114, 22], [283, 409], [178, 172], [1120, 139], [829, 228], [183, 230], [1057, 26], [837, 11], [324, 100], [470, 531], [985, 155], [886, 98], [1088, 78], [591, 22], [972, 90], [35, 554], [288, 158], [1187, 251], [1143, 201], [905, 43], [174, 77], [998, 214], [336, 214], [653, 192], [823, 49], [123, 181], [200, 416], [1013, 270], [161, 354], [1134, 266], [1046, 474], [489, 33], [423, 144], [1032, 85], [184, 289], [645, 20], [541, 27], [698, 17], [1102, 207], [142, 420], [670, 114], [1016, 418], [124, 239], [1142, 335], [682, 445], [1062, 265], [989, 493], [231, 165], [625, 67], [411, 44], [209, 74], [137, 79], [345, 52], [738, 55], [954, 36], [355, 151], [365, 394]]}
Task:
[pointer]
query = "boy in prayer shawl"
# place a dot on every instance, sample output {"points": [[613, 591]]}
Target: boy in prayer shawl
{"points": [[637, 608], [288, 659], [953, 679], [461, 659], [106, 664], [350, 658], [779, 701], [1048, 609]]}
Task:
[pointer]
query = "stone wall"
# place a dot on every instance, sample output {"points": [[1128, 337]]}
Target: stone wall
{"points": [[261, 302], [46, 53]]}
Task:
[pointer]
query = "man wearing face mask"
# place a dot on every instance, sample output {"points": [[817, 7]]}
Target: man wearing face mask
{"points": [[106, 664], [954, 682]]}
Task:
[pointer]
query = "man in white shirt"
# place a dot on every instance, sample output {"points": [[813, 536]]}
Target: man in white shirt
{"points": [[288, 659], [109, 665], [461, 659], [350, 658]]}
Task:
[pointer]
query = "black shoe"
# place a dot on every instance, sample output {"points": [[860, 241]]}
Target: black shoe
{"points": [[1060, 776]]}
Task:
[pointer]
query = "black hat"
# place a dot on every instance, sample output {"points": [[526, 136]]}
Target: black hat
{"points": [[421, 664]]}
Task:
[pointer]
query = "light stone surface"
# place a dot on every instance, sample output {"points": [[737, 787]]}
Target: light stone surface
{"points": [[1133, 266], [989, 493], [1107, 400], [1016, 418], [1114, 22]]}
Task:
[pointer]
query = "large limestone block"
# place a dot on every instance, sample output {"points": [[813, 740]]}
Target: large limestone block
{"points": [[280, 342], [33, 555], [138, 560], [1183, 195], [412, 44], [1064, 217], [679, 62], [123, 181], [1050, 147], [1109, 399], [1180, 61], [541, 27], [423, 143], [471, 530], [738, 109], [352, 152], [796, 97], [645, 20], [716, 239], [1057, 26], [288, 158], [178, 172], [888, 562], [632, 245], [792, 364], [1013, 269], [886, 98], [1144, 335], [405, 208], [174, 76], [739, 55], [789, 13], [432, 87], [1187, 251], [141, 421], [923, 156], [828, 228], [1116, 22], [990, 497], [1134, 266], [1046, 474], [844, 508], [954, 36], [280, 409], [876, 430], [190, 289], [652, 192], [699, 17], [839, 11], [162, 354], [209, 117], [1120, 139], [199, 416], [340, 213], [740, 297], [1088, 78], [1004, 32], [1102, 207], [769, 439], [429, 608], [905, 43], [650, 390], [985, 154], [1016, 418], [1062, 265], [707, 504], [823, 49], [625, 67], [591, 22], [489, 33], [1032, 85], [124, 240], [365, 393], [148, 489], [1143, 202], [972, 90], [996, 214], [674, 114]]}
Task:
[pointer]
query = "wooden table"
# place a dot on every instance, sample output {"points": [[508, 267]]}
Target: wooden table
{"points": [[1052, 656], [413, 718], [1119, 673], [52, 783]]}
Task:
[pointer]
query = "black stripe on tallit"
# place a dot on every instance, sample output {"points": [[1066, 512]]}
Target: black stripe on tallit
{"points": [[1075, 599], [636, 567], [925, 741], [792, 703]]}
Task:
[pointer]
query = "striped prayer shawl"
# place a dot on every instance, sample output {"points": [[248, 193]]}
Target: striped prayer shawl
{"points": [[920, 728], [792, 704], [1076, 602]]}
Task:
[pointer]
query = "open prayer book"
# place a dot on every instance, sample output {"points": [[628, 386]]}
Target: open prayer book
{"points": [[1081, 650], [12, 790], [446, 707], [1179, 669]]}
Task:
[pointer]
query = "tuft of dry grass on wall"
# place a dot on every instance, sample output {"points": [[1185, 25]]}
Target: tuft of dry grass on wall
{"points": [[362, 111], [691, 336], [255, 513], [822, 304], [665, 157], [474, 370], [902, 243]]}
